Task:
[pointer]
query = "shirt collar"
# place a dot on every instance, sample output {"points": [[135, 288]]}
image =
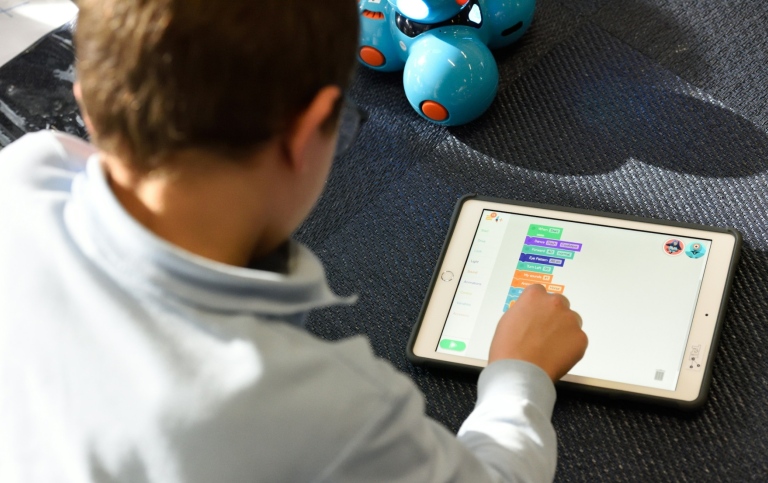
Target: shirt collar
{"points": [[142, 261]]}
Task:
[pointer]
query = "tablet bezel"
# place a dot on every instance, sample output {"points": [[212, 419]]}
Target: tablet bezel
{"points": [[693, 384]]}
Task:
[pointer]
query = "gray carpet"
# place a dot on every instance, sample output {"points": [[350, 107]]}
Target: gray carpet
{"points": [[656, 108]]}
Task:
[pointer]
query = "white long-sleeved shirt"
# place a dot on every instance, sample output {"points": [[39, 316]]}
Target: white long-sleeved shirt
{"points": [[125, 358]]}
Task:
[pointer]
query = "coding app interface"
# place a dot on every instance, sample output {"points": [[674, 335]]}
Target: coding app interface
{"points": [[635, 291]]}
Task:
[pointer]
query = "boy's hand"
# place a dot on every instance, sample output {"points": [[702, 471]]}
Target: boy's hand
{"points": [[542, 329]]}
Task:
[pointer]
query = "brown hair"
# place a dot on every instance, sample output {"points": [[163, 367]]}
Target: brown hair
{"points": [[159, 76]]}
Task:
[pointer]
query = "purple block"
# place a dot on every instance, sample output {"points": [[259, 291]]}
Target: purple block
{"points": [[557, 262], [559, 244]]}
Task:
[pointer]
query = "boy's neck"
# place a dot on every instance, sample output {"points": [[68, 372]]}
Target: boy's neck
{"points": [[218, 209]]}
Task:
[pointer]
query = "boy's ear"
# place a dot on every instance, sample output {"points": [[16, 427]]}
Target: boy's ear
{"points": [[79, 98], [309, 124]]}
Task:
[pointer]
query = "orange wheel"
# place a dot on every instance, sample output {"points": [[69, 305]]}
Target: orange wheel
{"points": [[434, 111], [372, 56]]}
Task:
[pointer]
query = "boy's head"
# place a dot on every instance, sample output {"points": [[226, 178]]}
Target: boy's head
{"points": [[159, 76]]}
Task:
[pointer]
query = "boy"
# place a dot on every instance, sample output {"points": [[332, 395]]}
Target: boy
{"points": [[151, 299]]}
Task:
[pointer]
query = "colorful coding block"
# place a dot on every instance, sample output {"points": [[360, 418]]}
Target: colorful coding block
{"points": [[525, 257], [534, 267], [522, 283], [513, 296], [534, 250], [554, 288], [544, 231], [543, 250], [534, 276], [556, 244]]}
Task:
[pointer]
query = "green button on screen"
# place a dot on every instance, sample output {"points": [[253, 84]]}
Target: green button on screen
{"points": [[452, 345]]}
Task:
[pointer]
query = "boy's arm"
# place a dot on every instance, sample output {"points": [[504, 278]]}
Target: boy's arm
{"points": [[510, 429], [508, 436], [537, 341]]}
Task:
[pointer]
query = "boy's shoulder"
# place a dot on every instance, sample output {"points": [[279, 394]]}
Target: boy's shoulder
{"points": [[348, 364], [43, 160]]}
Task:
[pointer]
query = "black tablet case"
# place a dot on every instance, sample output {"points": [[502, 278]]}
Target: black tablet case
{"points": [[610, 393]]}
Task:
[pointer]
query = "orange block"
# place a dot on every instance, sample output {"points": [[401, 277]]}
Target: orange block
{"points": [[539, 277], [554, 288], [522, 283]]}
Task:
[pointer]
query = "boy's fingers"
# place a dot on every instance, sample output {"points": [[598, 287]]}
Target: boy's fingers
{"points": [[534, 290], [563, 300]]}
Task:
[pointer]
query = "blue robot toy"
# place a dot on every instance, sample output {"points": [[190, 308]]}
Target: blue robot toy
{"points": [[443, 48]]}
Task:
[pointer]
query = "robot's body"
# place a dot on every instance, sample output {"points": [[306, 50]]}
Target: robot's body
{"points": [[443, 47]]}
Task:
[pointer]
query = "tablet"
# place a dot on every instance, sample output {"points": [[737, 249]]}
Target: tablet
{"points": [[652, 294]]}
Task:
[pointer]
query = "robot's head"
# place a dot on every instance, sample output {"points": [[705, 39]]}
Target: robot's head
{"points": [[428, 11]]}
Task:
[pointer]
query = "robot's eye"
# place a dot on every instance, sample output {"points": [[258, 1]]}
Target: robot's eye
{"points": [[470, 15], [474, 15]]}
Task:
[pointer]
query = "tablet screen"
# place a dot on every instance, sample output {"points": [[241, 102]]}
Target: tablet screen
{"points": [[635, 290]]}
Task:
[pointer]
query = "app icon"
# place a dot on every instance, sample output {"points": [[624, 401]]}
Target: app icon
{"points": [[695, 250], [493, 216], [674, 247]]}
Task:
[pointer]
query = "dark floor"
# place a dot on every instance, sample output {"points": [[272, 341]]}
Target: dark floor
{"points": [[655, 108]]}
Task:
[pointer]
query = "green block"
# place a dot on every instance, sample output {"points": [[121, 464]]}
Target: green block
{"points": [[543, 231], [534, 267]]}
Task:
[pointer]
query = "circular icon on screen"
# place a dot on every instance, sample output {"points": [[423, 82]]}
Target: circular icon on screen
{"points": [[696, 250], [674, 247]]}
